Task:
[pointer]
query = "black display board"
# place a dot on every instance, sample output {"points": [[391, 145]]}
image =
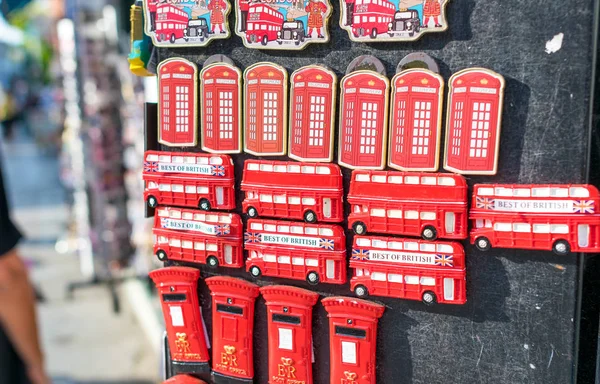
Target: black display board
{"points": [[521, 323]]}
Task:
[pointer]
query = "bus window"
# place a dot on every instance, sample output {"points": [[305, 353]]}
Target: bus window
{"points": [[411, 279], [296, 229], [559, 192], [502, 227], [270, 258], [485, 191], [395, 179], [579, 192], [428, 180], [202, 160], [330, 269], [163, 239], [411, 246], [308, 169], [427, 215], [199, 246], [583, 235], [294, 168], [308, 201], [199, 216], [202, 190], [186, 244], [321, 170], [152, 158], [448, 181], [175, 242], [445, 248], [449, 222], [177, 159], [378, 178], [411, 180], [427, 281], [297, 261], [280, 199], [378, 212], [266, 198], [325, 232], [358, 271], [311, 231], [252, 167], [522, 192], [379, 243], [559, 228], [163, 213], [256, 226], [212, 218], [152, 185], [177, 188], [190, 159], [280, 168], [363, 242], [175, 214], [164, 187], [361, 177], [394, 278], [164, 158], [294, 200], [411, 215], [448, 288], [266, 167], [357, 209], [270, 227], [378, 276], [312, 262], [188, 215], [395, 245], [394, 213], [501, 191], [541, 228], [284, 259], [190, 189], [521, 227], [427, 247], [225, 219], [283, 228], [212, 247], [540, 192]]}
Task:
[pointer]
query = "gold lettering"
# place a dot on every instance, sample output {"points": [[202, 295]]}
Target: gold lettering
{"points": [[182, 345]]}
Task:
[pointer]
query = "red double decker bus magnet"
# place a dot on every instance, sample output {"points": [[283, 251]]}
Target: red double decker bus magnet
{"points": [[289, 311], [186, 24], [233, 324], [265, 120], [473, 122], [211, 238], [178, 103], [177, 289], [352, 339]]}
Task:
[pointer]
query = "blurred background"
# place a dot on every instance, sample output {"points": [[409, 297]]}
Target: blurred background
{"points": [[71, 141]]}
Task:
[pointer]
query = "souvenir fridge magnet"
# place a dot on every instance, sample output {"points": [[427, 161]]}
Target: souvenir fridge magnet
{"points": [[415, 120], [183, 379], [430, 205], [381, 266], [289, 311], [195, 236], [317, 252], [141, 44], [233, 325], [473, 121], [186, 23], [265, 122], [302, 191], [386, 21], [189, 179], [312, 101], [177, 106], [283, 25], [561, 218], [221, 122], [177, 289], [352, 339]]}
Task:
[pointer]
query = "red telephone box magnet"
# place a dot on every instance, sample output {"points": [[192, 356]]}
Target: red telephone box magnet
{"points": [[177, 287], [473, 122], [363, 120], [233, 324], [186, 23], [183, 379], [416, 120], [289, 311], [352, 339], [265, 123], [221, 123], [177, 107], [312, 101]]}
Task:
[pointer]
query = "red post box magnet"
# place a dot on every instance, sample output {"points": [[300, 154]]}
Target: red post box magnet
{"points": [[177, 287], [233, 323], [289, 311], [352, 339]]}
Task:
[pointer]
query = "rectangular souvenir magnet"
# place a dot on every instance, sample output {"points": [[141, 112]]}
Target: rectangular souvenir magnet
{"points": [[233, 325], [303, 191], [183, 23], [385, 266], [430, 205], [295, 250], [289, 311], [189, 179], [312, 104], [196, 236], [557, 217], [473, 122], [265, 123]]}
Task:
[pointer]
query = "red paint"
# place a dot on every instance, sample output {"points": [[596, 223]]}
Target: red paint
{"points": [[295, 250], [312, 101], [188, 179], [289, 312], [363, 120], [263, 23], [177, 289], [415, 120], [372, 18], [431, 205], [545, 216], [233, 324], [171, 21], [473, 122], [429, 271], [177, 107], [221, 124], [183, 379], [212, 238], [352, 339], [290, 190]]}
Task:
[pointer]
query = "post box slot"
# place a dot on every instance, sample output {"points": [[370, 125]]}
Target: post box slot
{"points": [[170, 297], [286, 319], [351, 332], [230, 309]]}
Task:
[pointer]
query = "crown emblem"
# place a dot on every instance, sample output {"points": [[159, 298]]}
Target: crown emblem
{"points": [[271, 74], [287, 361], [181, 69], [319, 77], [371, 83], [484, 81], [424, 81], [350, 375], [226, 74]]}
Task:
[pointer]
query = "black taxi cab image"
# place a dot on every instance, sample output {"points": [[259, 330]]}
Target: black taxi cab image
{"points": [[291, 31], [405, 21], [196, 28]]}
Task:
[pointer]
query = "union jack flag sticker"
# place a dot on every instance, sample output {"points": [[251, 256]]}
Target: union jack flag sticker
{"points": [[360, 254], [252, 237], [444, 260], [221, 230], [583, 206], [326, 244], [218, 170], [484, 203], [164, 222], [150, 166]]}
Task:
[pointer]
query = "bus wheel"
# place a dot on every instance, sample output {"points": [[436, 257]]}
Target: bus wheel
{"points": [[172, 39], [255, 271], [252, 212], [361, 291], [561, 247], [152, 202], [212, 262], [429, 298], [310, 217], [429, 233], [204, 205], [162, 255], [312, 278], [483, 244], [359, 228], [264, 40], [374, 33]]}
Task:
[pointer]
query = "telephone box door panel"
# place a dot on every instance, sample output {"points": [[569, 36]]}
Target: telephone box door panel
{"points": [[177, 112], [265, 113], [415, 120], [221, 85], [473, 122]]}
